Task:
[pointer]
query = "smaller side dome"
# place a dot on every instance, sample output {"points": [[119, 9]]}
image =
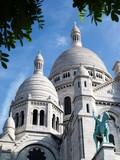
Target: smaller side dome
{"points": [[82, 71], [37, 86], [9, 127]]}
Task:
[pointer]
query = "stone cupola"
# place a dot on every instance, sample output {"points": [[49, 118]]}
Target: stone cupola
{"points": [[38, 64], [76, 36]]}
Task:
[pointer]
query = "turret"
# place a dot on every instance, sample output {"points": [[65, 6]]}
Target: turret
{"points": [[82, 82], [83, 91], [9, 127]]}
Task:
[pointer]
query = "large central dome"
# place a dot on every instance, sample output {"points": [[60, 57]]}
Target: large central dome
{"points": [[76, 55]]}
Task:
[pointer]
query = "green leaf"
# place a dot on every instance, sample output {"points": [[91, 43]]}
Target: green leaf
{"points": [[4, 65], [114, 16], [108, 9], [82, 19], [4, 54], [4, 59], [21, 42], [99, 19]]}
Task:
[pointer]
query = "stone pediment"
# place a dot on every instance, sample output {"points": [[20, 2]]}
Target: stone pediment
{"points": [[108, 90], [7, 138]]}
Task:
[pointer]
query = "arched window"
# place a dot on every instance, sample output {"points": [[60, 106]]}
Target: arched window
{"points": [[21, 118], [53, 121], [16, 120], [111, 139], [67, 105], [87, 108], [68, 74], [42, 118], [74, 73], [57, 124], [35, 116]]}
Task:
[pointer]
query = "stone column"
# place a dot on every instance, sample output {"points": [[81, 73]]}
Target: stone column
{"points": [[106, 152]]}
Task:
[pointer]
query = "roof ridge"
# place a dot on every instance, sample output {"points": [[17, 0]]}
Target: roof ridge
{"points": [[104, 84]]}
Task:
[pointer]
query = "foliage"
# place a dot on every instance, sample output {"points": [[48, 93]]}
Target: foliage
{"points": [[16, 20], [96, 8]]}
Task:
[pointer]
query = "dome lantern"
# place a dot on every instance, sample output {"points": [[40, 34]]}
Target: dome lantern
{"points": [[38, 64], [76, 36]]}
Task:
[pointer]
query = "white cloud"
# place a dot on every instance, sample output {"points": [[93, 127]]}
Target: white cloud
{"points": [[10, 96], [62, 41]]}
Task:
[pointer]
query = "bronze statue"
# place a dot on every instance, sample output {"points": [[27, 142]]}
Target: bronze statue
{"points": [[101, 133]]}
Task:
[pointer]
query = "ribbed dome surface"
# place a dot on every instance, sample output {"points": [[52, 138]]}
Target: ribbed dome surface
{"points": [[38, 87], [73, 57]]}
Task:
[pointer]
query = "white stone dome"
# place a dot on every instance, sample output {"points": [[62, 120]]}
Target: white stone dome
{"points": [[77, 55], [9, 123], [74, 56], [38, 87]]}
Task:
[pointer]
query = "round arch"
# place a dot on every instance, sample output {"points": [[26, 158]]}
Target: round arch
{"points": [[30, 144]]}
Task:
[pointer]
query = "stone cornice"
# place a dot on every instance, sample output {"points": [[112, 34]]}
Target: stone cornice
{"points": [[36, 102], [110, 103]]}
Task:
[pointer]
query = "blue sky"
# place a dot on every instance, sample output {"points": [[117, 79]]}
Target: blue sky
{"points": [[59, 17]]}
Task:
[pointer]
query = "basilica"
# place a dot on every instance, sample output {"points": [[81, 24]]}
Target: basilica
{"points": [[54, 118]]}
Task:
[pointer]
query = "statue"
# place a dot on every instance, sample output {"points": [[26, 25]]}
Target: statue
{"points": [[101, 133]]}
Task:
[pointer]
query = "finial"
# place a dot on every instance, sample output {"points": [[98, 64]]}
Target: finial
{"points": [[39, 51], [10, 114], [74, 23]]}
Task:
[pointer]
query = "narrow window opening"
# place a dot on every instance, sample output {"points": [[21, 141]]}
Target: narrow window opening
{"points": [[16, 120], [74, 73], [87, 108], [35, 116], [67, 105], [78, 84], [53, 121], [42, 118], [22, 118], [57, 124], [68, 74], [85, 84]]}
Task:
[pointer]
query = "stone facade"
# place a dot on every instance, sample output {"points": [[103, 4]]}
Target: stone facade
{"points": [[54, 121]]}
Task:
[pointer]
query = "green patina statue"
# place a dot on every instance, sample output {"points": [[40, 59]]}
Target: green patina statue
{"points": [[101, 133]]}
